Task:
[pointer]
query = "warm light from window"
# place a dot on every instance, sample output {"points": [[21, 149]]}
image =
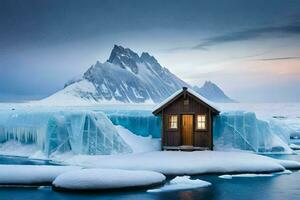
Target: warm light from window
{"points": [[173, 121], [201, 122]]}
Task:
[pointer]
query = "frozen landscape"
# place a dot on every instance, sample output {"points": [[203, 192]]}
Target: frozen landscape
{"points": [[99, 138], [46, 132], [160, 99], [101, 132]]}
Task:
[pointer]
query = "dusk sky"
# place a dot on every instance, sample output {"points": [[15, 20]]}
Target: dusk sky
{"points": [[251, 49]]}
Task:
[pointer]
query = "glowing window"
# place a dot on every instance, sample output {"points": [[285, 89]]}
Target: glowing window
{"points": [[173, 121], [201, 122]]}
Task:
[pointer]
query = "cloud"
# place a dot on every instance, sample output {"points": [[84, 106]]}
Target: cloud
{"points": [[249, 34], [280, 58]]}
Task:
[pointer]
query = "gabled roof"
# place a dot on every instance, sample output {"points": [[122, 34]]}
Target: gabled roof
{"points": [[158, 108]]}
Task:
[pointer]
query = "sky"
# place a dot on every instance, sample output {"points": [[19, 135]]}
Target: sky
{"points": [[251, 49]]}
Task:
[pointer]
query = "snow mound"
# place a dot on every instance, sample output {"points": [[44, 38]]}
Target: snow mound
{"points": [[78, 93], [181, 183], [31, 174], [186, 163], [137, 143], [288, 164], [97, 179]]}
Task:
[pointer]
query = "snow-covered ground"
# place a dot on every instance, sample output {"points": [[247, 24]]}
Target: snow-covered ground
{"points": [[99, 179], [13, 148], [31, 174], [145, 170], [186, 163]]}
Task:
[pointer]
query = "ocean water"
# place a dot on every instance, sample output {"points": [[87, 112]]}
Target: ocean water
{"points": [[285, 186]]}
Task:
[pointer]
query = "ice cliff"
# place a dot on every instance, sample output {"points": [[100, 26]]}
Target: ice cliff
{"points": [[83, 132], [93, 132]]}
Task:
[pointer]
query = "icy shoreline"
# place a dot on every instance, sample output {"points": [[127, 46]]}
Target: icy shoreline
{"points": [[186, 163], [142, 170]]}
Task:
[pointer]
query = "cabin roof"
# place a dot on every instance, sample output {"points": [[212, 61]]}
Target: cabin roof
{"points": [[159, 107]]}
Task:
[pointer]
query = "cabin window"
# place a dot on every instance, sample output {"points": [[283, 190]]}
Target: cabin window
{"points": [[173, 122], [201, 122]]}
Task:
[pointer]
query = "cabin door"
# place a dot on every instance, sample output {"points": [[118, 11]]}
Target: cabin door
{"points": [[187, 130]]}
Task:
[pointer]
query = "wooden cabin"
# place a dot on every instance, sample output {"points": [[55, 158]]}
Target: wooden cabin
{"points": [[187, 121]]}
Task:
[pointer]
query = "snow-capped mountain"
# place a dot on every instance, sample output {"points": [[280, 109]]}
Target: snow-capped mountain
{"points": [[212, 92], [125, 77]]}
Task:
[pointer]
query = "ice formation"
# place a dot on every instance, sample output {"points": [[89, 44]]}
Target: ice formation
{"points": [[82, 132], [181, 183], [93, 130], [242, 130], [141, 122]]}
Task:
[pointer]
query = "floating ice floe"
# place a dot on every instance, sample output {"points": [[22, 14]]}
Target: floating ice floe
{"points": [[227, 176], [181, 183], [31, 174], [100, 179]]}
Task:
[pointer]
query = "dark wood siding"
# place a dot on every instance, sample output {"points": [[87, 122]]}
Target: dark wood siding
{"points": [[201, 138]]}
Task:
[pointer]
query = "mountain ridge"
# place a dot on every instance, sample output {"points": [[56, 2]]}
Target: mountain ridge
{"points": [[125, 77]]}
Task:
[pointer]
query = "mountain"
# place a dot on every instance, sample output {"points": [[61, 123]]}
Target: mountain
{"points": [[125, 77], [212, 92]]}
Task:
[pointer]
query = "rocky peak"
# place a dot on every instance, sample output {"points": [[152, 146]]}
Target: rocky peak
{"points": [[125, 58], [209, 84], [146, 57], [150, 60], [212, 92]]}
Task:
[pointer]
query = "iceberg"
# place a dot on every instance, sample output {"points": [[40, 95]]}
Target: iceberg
{"points": [[105, 131], [242, 130], [181, 183], [139, 122], [82, 132]]}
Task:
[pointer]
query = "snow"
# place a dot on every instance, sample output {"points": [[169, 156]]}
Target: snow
{"points": [[48, 130], [186, 163], [137, 143], [167, 99], [226, 176], [72, 95], [295, 146], [31, 174], [288, 164], [181, 183], [13, 148], [213, 105], [245, 176], [266, 111], [284, 172], [95, 179], [205, 100]]}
